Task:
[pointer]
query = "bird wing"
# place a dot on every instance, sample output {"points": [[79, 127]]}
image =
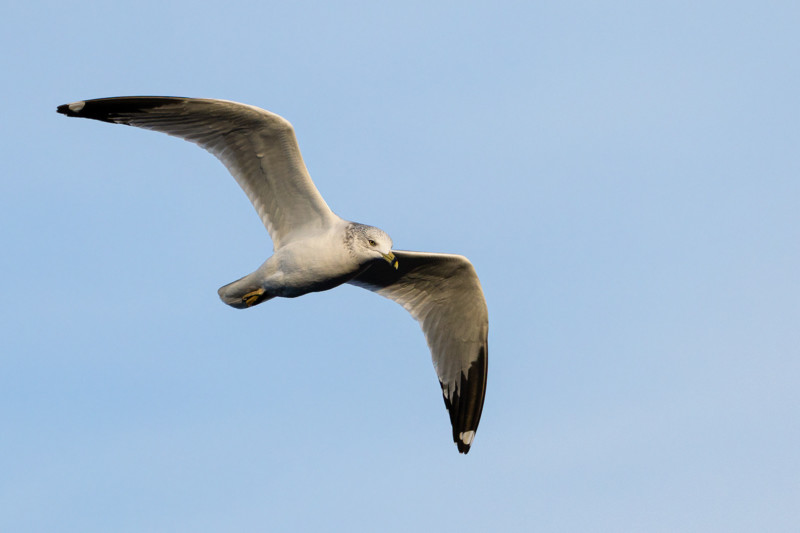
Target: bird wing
{"points": [[443, 293], [259, 149]]}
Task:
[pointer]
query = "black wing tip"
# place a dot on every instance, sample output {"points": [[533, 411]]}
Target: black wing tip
{"points": [[462, 435], [463, 447], [71, 110], [465, 412], [104, 109], [112, 109]]}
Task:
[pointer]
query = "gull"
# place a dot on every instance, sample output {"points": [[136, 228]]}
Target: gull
{"points": [[316, 250]]}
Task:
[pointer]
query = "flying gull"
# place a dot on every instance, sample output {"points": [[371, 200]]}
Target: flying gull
{"points": [[316, 250]]}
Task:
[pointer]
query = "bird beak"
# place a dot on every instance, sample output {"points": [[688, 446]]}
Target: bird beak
{"points": [[391, 259]]}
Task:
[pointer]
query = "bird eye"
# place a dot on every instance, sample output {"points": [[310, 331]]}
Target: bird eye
{"points": [[372, 243]]}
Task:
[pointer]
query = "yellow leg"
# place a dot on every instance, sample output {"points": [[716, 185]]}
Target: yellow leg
{"points": [[251, 298]]}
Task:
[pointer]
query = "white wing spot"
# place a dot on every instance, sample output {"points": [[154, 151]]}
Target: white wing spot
{"points": [[466, 437], [75, 107]]}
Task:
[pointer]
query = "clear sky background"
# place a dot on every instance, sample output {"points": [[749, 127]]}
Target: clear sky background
{"points": [[623, 175]]}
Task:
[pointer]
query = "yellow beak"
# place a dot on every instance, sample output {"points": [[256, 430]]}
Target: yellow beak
{"points": [[391, 259]]}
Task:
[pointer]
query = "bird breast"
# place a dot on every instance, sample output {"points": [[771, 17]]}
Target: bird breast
{"points": [[310, 265]]}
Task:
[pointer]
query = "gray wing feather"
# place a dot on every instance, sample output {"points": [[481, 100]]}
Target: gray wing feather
{"points": [[259, 149], [443, 293]]}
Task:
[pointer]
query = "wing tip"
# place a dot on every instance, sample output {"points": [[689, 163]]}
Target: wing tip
{"points": [[464, 441], [116, 109], [94, 109], [73, 109], [465, 412]]}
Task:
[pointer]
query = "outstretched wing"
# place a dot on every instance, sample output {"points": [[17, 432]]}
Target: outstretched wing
{"points": [[443, 293], [259, 149]]}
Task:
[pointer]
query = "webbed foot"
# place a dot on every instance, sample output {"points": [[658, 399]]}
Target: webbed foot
{"points": [[251, 298]]}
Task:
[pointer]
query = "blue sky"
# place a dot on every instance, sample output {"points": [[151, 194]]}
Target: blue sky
{"points": [[623, 175]]}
